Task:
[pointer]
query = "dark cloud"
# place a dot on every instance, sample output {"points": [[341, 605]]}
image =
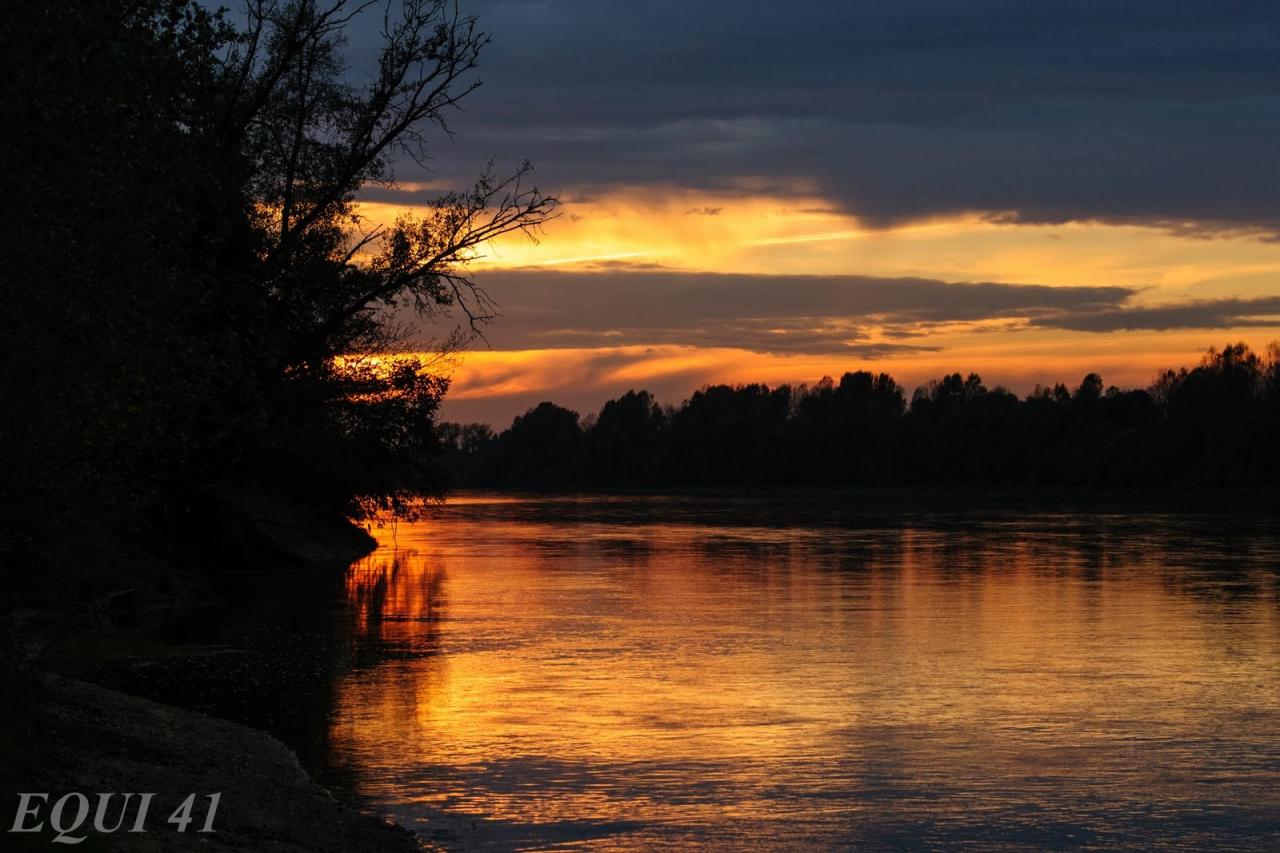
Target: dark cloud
{"points": [[1207, 314], [809, 314], [1151, 111], [764, 313]]}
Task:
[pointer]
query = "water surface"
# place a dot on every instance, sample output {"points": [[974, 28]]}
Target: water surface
{"points": [[631, 673]]}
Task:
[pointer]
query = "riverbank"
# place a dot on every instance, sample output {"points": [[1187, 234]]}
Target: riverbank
{"points": [[90, 739], [65, 735], [929, 498], [270, 659]]}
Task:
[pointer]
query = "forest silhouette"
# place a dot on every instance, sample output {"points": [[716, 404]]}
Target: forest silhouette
{"points": [[1212, 425]]}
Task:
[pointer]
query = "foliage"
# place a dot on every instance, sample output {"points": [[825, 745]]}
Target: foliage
{"points": [[192, 300]]}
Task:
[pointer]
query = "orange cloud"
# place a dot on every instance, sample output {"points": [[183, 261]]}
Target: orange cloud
{"points": [[751, 233], [747, 230]]}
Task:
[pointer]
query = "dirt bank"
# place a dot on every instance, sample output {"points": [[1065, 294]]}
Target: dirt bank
{"points": [[89, 739]]}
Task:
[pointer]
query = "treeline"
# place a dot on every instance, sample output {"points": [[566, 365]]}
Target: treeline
{"points": [[1215, 424]]}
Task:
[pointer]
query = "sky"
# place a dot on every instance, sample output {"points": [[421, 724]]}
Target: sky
{"points": [[777, 192]]}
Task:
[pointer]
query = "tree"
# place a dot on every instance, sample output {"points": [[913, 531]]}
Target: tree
{"points": [[193, 302], [729, 435], [308, 142], [623, 445], [541, 448], [114, 357], [1211, 416], [846, 433]]}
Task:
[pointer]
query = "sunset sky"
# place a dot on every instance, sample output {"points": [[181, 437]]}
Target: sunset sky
{"points": [[774, 192]]}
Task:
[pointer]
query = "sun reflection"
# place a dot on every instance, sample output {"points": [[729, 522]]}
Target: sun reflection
{"points": [[396, 596], [552, 670]]}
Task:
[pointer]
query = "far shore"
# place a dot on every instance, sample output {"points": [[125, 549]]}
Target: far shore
{"points": [[932, 498]]}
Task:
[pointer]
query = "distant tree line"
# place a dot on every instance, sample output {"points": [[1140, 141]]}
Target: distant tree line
{"points": [[1215, 424]]}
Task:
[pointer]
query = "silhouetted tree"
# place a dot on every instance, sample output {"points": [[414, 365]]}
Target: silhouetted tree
{"points": [[542, 447], [309, 141], [847, 433], [624, 445], [1211, 413], [468, 456], [730, 435], [193, 303]]}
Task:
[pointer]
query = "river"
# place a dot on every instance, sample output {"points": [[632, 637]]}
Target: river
{"points": [[760, 673]]}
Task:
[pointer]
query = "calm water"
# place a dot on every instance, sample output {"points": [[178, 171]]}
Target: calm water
{"points": [[674, 672]]}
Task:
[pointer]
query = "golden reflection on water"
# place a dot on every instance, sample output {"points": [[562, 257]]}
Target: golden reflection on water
{"points": [[543, 673]]}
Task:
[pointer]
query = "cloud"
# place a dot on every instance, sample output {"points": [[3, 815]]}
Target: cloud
{"points": [[1142, 112], [858, 316], [1205, 314], [779, 314]]}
